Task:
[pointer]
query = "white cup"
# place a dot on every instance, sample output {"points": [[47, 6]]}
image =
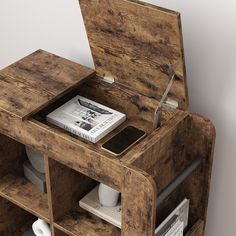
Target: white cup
{"points": [[108, 196], [41, 228]]}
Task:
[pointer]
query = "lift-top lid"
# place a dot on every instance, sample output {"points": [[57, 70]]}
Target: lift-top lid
{"points": [[134, 43], [36, 81]]}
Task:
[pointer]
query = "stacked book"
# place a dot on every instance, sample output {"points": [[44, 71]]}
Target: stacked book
{"points": [[86, 119]]}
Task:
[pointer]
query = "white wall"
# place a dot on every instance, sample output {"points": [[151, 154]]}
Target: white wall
{"points": [[210, 34]]}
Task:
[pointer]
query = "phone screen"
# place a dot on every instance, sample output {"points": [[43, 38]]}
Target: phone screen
{"points": [[123, 140]]}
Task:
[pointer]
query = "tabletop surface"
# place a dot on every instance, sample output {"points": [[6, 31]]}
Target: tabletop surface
{"points": [[36, 81]]}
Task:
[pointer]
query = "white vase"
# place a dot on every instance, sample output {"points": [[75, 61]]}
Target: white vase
{"points": [[108, 196]]}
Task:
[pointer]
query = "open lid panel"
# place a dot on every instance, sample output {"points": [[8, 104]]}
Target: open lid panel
{"points": [[134, 43]]}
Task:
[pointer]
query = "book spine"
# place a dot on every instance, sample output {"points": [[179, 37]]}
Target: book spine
{"points": [[73, 131]]}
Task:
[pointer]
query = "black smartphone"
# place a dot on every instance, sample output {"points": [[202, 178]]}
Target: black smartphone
{"points": [[124, 140]]}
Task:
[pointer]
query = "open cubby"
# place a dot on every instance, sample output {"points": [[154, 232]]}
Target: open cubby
{"points": [[67, 188], [190, 188], [13, 185], [9, 212]]}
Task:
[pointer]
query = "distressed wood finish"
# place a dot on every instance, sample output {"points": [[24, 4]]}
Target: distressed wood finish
{"points": [[12, 155], [197, 229], [24, 194], [146, 169], [8, 215], [58, 232], [80, 222], [13, 186], [74, 185], [36, 81], [201, 142], [138, 203], [133, 104], [135, 43]]}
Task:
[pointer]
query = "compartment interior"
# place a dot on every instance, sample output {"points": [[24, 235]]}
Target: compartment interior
{"points": [[69, 217], [190, 188], [8, 215], [139, 109], [13, 185], [67, 188]]}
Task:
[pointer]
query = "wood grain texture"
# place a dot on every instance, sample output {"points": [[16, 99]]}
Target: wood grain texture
{"points": [[13, 186], [53, 142], [25, 195], [162, 155], [112, 169], [36, 81], [147, 154], [74, 185], [135, 43], [119, 97], [169, 158], [49, 193], [58, 232], [197, 229], [9, 212], [201, 142], [138, 199], [80, 222], [192, 188], [12, 156]]}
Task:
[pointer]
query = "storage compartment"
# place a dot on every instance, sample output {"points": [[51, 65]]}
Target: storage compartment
{"points": [[14, 221], [13, 185], [67, 188], [192, 189], [138, 109], [137, 48]]}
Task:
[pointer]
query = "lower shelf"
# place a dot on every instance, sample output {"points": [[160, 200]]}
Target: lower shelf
{"points": [[24, 194], [80, 222]]}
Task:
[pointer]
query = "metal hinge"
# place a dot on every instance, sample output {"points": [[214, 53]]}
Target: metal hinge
{"points": [[108, 79], [158, 110], [172, 103]]}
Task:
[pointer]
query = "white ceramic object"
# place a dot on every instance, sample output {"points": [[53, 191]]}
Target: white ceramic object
{"points": [[36, 159], [41, 228], [108, 196], [91, 203]]}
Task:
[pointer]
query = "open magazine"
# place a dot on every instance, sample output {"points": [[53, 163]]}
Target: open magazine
{"points": [[176, 222]]}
